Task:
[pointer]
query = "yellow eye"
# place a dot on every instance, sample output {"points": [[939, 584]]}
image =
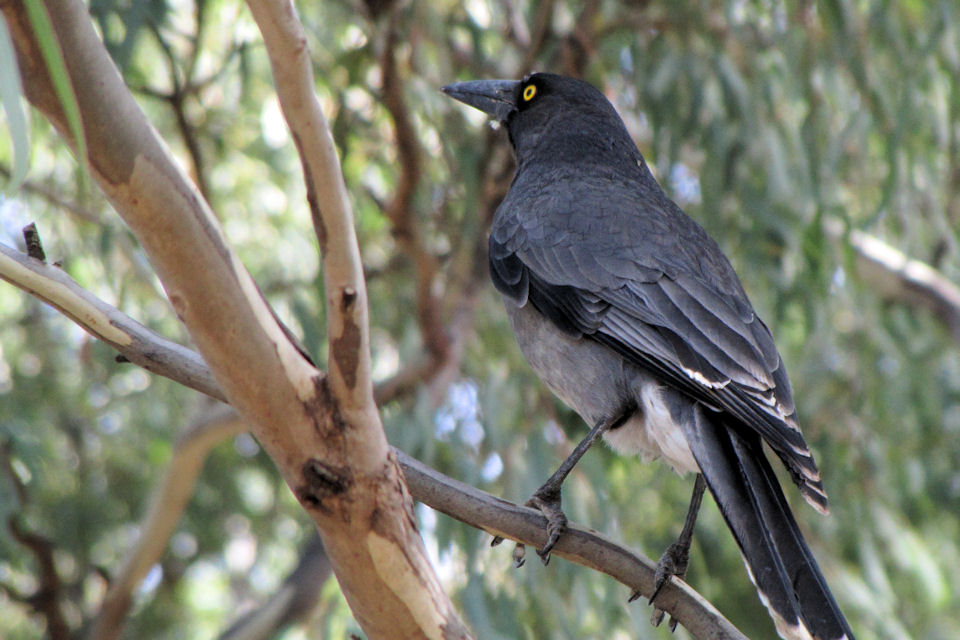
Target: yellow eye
{"points": [[529, 92]]}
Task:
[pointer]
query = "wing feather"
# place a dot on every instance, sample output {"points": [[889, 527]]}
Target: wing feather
{"points": [[697, 335]]}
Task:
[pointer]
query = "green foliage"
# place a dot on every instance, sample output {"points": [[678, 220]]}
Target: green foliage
{"points": [[56, 67], [13, 109], [766, 121]]}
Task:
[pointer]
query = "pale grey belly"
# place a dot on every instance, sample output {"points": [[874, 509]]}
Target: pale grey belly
{"points": [[599, 384]]}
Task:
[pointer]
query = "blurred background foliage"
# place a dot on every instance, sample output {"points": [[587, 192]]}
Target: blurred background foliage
{"points": [[779, 126]]}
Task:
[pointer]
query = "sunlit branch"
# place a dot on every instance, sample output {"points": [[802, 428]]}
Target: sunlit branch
{"points": [[132, 340], [347, 328], [894, 275]]}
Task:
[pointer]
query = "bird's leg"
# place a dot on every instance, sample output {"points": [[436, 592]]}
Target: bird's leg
{"points": [[546, 499], [674, 560]]}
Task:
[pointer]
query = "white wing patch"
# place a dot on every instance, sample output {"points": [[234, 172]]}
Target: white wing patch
{"points": [[698, 377]]}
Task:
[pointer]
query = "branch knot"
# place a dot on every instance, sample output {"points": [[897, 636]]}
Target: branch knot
{"points": [[322, 481]]}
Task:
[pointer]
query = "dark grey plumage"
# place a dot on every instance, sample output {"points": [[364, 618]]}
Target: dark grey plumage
{"points": [[631, 314]]}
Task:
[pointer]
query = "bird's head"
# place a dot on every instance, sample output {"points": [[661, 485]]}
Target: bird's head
{"points": [[563, 112]]}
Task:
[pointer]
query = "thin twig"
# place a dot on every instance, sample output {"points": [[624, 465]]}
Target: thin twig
{"points": [[177, 101]]}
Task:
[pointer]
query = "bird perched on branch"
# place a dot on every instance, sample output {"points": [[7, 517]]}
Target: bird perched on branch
{"points": [[632, 315]]}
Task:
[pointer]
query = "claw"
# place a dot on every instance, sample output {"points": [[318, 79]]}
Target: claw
{"points": [[519, 551], [675, 559], [673, 562], [657, 617], [547, 501], [547, 498], [544, 555], [519, 555]]}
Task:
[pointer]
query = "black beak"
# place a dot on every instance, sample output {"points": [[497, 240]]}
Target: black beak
{"points": [[494, 97]]}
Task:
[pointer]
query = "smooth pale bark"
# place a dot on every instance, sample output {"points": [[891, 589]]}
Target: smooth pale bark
{"points": [[323, 432]]}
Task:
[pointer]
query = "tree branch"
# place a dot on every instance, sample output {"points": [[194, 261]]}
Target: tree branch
{"points": [[894, 275], [47, 594], [400, 208], [500, 517], [177, 98], [349, 364], [46, 597], [293, 599], [322, 431], [167, 504], [132, 340]]}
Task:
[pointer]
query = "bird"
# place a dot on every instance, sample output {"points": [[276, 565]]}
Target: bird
{"points": [[632, 315]]}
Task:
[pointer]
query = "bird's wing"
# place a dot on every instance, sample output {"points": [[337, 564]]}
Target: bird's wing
{"points": [[697, 334]]}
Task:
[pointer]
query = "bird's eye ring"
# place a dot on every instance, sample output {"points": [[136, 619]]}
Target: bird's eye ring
{"points": [[528, 92]]}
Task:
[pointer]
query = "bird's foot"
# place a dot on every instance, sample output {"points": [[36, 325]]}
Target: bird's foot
{"points": [[519, 551], [546, 500], [673, 562]]}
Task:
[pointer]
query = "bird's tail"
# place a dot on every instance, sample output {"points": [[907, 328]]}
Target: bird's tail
{"points": [[778, 559]]}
